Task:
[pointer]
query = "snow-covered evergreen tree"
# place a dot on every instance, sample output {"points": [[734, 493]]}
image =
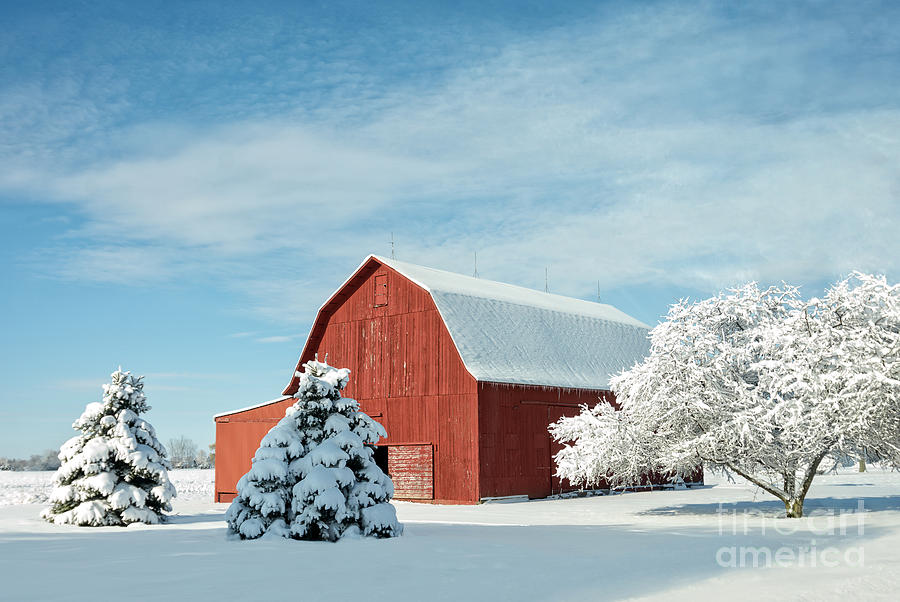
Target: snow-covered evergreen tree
{"points": [[314, 475], [761, 383], [115, 471]]}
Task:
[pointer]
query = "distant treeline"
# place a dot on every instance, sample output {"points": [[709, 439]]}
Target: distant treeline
{"points": [[46, 461], [183, 453]]}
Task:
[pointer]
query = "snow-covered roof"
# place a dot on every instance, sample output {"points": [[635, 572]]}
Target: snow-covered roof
{"points": [[510, 334], [253, 407]]}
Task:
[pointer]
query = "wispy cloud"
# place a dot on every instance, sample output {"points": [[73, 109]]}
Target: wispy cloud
{"points": [[677, 145], [188, 375], [158, 381], [277, 339], [79, 385]]}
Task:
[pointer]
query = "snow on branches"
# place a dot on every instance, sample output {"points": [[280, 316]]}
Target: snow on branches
{"points": [[759, 382], [314, 476], [115, 471]]}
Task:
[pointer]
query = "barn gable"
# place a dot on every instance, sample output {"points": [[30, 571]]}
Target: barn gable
{"points": [[355, 303]]}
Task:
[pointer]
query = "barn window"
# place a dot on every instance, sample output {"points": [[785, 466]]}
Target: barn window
{"points": [[381, 291]]}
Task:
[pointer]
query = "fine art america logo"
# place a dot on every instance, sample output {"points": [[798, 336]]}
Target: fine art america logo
{"points": [[810, 544]]}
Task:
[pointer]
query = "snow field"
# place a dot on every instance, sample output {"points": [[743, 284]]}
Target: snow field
{"points": [[648, 545], [35, 487]]}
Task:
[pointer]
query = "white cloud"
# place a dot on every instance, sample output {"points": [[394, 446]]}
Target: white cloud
{"points": [[127, 264], [674, 147], [241, 190], [276, 339]]}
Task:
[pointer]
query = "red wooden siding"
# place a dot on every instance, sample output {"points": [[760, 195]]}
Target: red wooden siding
{"points": [[515, 447], [411, 468], [237, 439]]}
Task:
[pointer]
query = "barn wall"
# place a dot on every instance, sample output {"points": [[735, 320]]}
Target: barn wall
{"points": [[237, 439], [515, 447], [405, 371]]}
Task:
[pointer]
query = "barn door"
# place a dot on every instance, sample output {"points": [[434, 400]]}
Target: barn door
{"points": [[536, 468], [554, 413], [411, 468]]}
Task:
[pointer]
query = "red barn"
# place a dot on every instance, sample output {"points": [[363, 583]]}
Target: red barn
{"points": [[465, 374]]}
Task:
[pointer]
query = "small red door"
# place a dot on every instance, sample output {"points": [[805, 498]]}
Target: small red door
{"points": [[411, 468], [554, 413]]}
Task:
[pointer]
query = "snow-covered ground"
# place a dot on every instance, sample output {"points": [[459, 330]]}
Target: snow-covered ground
{"points": [[35, 487], [657, 545]]}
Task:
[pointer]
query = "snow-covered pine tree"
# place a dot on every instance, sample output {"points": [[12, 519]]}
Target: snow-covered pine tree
{"points": [[341, 490], [115, 471], [263, 501], [314, 475]]}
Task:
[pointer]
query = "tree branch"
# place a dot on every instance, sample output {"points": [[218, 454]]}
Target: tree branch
{"points": [[781, 495], [810, 475]]}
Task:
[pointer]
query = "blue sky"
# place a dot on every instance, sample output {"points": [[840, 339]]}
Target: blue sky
{"points": [[182, 186]]}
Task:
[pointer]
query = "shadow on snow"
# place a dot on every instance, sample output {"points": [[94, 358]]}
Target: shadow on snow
{"points": [[811, 507]]}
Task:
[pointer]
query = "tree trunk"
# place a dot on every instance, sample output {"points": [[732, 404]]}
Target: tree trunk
{"points": [[793, 504], [794, 508], [791, 495], [862, 464]]}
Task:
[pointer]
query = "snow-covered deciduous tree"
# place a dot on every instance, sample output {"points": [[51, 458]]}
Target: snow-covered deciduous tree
{"points": [[758, 382], [202, 459], [182, 452], [314, 475], [115, 471]]}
